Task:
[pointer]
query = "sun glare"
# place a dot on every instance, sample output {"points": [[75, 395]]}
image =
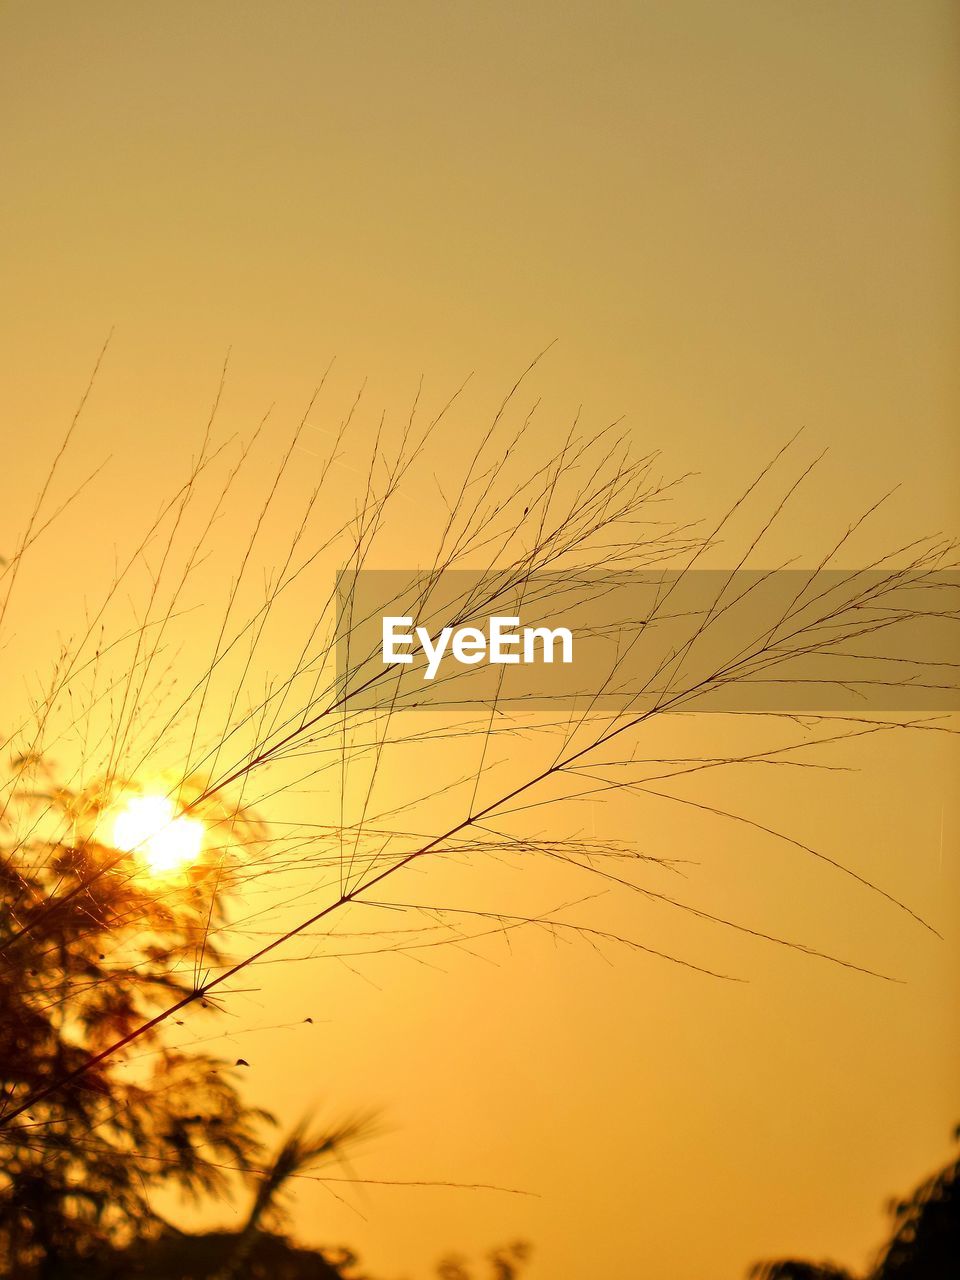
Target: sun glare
{"points": [[149, 828]]}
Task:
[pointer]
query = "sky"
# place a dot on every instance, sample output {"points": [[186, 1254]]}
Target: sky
{"points": [[733, 221]]}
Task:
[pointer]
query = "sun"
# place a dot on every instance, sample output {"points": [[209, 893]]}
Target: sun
{"points": [[149, 827]]}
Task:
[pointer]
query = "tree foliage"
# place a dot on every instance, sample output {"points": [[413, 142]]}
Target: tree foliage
{"points": [[926, 1229], [924, 1242], [90, 950]]}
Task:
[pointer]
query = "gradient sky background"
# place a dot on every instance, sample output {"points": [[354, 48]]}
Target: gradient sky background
{"points": [[737, 219]]}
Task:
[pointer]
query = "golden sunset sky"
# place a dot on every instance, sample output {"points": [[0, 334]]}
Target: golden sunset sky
{"points": [[736, 219]]}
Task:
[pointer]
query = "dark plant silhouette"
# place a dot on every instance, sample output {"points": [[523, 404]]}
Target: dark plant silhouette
{"points": [[791, 1269], [924, 1245], [181, 1256], [300, 1151], [926, 1229], [86, 959], [505, 1263], [259, 1250], [270, 1256]]}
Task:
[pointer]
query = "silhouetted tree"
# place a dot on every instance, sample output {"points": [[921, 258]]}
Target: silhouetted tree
{"points": [[926, 1235], [300, 1151], [793, 1270], [925, 1244], [506, 1263], [90, 947], [181, 1256], [269, 1256]]}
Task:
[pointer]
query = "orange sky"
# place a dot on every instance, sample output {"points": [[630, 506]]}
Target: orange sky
{"points": [[737, 220]]}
